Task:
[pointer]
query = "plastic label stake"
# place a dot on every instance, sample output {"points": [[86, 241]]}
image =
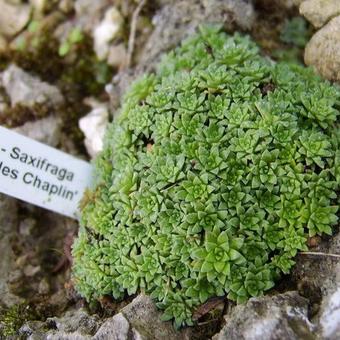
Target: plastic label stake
{"points": [[41, 175]]}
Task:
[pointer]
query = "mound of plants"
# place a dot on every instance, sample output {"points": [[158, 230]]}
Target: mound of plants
{"points": [[218, 168]]}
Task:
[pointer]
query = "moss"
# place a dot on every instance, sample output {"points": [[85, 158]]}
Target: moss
{"points": [[280, 32], [11, 319], [20, 114]]}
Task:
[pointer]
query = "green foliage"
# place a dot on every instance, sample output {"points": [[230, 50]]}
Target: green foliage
{"points": [[75, 36], [295, 32], [12, 318], [212, 177]]}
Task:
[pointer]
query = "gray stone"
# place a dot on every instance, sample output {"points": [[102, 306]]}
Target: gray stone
{"points": [[8, 226], [65, 336], [31, 271], [330, 314], [66, 6], [23, 88], [115, 328], [177, 20], [139, 320], [32, 330], [89, 13], [93, 125], [8, 216], [26, 226], [317, 276], [73, 325], [117, 55], [45, 130], [39, 5], [76, 321], [278, 317], [323, 50], [145, 319], [106, 31], [319, 12], [13, 18]]}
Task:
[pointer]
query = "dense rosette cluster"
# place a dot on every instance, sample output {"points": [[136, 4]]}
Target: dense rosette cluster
{"points": [[215, 172]]}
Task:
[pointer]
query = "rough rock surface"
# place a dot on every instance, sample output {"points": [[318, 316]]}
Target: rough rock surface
{"points": [[8, 226], [330, 314], [77, 324], [323, 50], [76, 321], [46, 130], [93, 125], [106, 31], [145, 320], [176, 21], [22, 88], [39, 5], [323, 288], [89, 12], [13, 18], [278, 317], [139, 320], [115, 328], [319, 12]]}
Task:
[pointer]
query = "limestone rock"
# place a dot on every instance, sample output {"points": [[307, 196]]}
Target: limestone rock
{"points": [[8, 226], [66, 6], [117, 55], [89, 13], [145, 320], [73, 325], [323, 50], [177, 20], [115, 328], [318, 278], [319, 12], [139, 320], [278, 317], [13, 18], [106, 31], [76, 321], [93, 126], [330, 316], [45, 130], [39, 5], [23, 88]]}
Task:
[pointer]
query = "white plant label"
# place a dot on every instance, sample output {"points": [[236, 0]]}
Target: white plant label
{"points": [[42, 175]]}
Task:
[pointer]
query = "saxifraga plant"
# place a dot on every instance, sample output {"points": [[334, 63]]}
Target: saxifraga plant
{"points": [[218, 168]]}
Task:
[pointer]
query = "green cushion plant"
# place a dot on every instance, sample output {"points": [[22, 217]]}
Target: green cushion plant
{"points": [[217, 169]]}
